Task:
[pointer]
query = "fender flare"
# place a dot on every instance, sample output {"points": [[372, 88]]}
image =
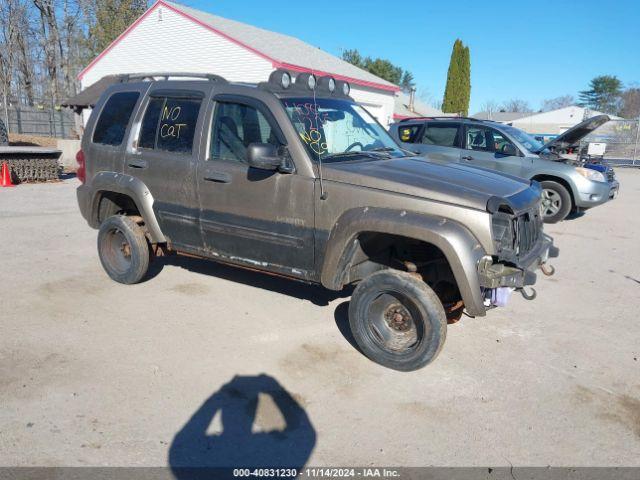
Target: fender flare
{"points": [[460, 247], [133, 188]]}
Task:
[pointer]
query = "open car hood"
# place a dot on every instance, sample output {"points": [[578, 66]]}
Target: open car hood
{"points": [[576, 133]]}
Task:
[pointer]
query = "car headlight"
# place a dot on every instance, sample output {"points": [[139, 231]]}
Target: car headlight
{"points": [[591, 174]]}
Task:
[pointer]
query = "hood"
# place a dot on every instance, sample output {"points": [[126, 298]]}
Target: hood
{"points": [[417, 176], [576, 133]]}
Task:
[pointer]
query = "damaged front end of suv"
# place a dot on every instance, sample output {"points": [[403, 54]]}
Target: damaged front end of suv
{"points": [[521, 247]]}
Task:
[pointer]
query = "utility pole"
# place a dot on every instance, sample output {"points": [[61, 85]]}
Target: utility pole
{"points": [[635, 145]]}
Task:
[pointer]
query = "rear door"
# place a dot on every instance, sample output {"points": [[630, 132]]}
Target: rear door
{"points": [[485, 147], [163, 156], [254, 217], [440, 140]]}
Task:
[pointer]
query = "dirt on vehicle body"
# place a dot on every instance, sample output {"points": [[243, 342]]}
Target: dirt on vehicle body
{"points": [[298, 180]]}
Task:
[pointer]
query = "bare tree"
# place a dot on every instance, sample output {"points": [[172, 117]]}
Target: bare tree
{"points": [[51, 44], [631, 103], [558, 102], [516, 105], [490, 106]]}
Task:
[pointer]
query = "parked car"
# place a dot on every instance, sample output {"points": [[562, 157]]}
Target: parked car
{"points": [[296, 179], [566, 183]]}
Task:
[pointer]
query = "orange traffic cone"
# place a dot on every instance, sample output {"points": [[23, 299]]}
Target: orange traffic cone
{"points": [[6, 176]]}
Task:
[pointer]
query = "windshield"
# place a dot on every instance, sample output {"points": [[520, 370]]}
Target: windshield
{"points": [[339, 130], [527, 141]]}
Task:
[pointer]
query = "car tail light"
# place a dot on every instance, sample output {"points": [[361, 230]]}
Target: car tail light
{"points": [[81, 171]]}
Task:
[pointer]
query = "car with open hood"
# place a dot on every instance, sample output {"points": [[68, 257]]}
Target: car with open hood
{"points": [[568, 184], [292, 177]]}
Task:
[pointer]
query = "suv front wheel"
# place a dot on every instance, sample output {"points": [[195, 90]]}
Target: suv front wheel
{"points": [[556, 202], [123, 249], [397, 320]]}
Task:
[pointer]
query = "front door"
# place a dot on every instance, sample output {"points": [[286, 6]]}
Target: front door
{"points": [[164, 156], [259, 218], [488, 148]]}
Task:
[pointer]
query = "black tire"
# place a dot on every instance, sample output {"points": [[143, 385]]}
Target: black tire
{"points": [[397, 320], [556, 202], [4, 136], [123, 249]]}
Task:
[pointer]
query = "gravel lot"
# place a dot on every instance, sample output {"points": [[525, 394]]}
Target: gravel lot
{"points": [[97, 373]]}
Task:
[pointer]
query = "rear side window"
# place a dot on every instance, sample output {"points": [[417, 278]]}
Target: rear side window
{"points": [[114, 118], [169, 124], [442, 134], [408, 133]]}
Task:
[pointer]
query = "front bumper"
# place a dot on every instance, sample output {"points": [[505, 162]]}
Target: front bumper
{"points": [[592, 194], [496, 274]]}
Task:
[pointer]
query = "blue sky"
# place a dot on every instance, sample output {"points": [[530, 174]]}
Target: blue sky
{"points": [[519, 49]]}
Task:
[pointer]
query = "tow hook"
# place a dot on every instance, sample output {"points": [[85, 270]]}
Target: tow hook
{"points": [[548, 270], [527, 296]]}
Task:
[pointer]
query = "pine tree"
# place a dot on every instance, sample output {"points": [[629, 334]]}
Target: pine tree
{"points": [[466, 80], [457, 93], [604, 94]]}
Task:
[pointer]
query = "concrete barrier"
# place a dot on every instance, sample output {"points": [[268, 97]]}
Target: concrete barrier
{"points": [[69, 149]]}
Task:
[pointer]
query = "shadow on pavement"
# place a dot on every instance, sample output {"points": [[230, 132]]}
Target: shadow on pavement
{"points": [[259, 424], [316, 294]]}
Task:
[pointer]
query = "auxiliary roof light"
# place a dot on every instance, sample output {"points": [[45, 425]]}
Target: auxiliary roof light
{"points": [[280, 79], [285, 80], [311, 82], [346, 89]]}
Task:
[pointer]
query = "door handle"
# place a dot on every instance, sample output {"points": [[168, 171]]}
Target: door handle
{"points": [[219, 177], [467, 157], [138, 163]]}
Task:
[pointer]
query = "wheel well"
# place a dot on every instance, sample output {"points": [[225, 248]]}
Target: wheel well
{"points": [[561, 181], [376, 251], [113, 203]]}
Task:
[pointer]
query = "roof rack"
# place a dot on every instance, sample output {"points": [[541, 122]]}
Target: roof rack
{"points": [[127, 77], [441, 117]]}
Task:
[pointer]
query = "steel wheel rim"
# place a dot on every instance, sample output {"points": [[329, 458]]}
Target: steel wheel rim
{"points": [[392, 323], [117, 251], [551, 202]]}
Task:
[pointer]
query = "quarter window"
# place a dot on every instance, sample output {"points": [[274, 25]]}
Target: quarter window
{"points": [[408, 134], [169, 124], [235, 127], [441, 134], [114, 118]]}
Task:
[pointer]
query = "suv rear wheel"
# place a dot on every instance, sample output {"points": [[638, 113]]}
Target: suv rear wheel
{"points": [[123, 249], [556, 202], [397, 320]]}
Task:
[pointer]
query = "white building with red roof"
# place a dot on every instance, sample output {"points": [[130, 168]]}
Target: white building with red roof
{"points": [[170, 37]]}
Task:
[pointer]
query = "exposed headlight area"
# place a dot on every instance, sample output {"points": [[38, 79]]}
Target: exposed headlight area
{"points": [[515, 236], [591, 174], [503, 233]]}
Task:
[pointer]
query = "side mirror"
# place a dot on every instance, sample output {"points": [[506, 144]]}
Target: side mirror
{"points": [[509, 149], [264, 156]]}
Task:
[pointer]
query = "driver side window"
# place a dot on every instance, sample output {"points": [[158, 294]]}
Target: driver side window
{"points": [[486, 139], [235, 127]]}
